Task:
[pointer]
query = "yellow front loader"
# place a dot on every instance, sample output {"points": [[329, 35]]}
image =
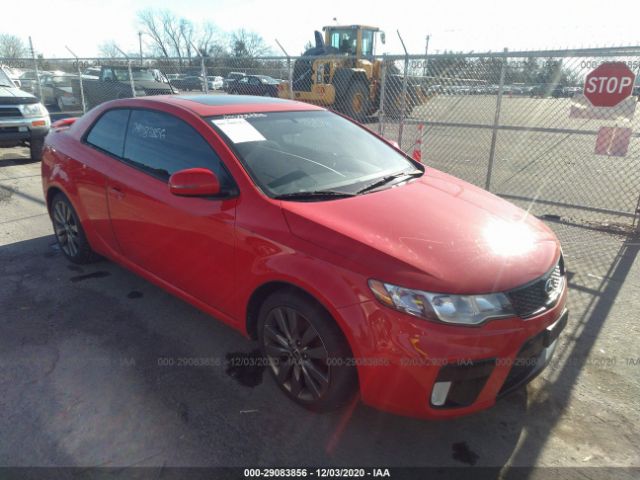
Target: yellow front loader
{"points": [[341, 73]]}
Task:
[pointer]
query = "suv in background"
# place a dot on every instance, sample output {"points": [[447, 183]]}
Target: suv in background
{"points": [[24, 121], [231, 78]]}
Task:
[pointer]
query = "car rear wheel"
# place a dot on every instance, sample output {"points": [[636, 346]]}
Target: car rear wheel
{"points": [[69, 233], [306, 352]]}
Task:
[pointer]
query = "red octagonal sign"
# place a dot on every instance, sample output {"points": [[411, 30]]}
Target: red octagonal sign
{"points": [[609, 84]]}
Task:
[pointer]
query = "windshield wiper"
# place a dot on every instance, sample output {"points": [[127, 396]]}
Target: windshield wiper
{"points": [[389, 178], [314, 195]]}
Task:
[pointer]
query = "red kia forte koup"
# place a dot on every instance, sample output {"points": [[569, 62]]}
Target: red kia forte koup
{"points": [[357, 269]]}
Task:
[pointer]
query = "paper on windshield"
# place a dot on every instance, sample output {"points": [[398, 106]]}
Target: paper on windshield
{"points": [[239, 130]]}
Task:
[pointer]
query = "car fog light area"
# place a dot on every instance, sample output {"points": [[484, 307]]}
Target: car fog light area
{"points": [[439, 393]]}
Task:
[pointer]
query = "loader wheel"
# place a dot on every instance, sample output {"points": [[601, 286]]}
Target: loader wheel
{"points": [[355, 102]]}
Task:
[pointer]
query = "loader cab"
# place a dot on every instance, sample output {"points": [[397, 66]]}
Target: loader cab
{"points": [[353, 40]]}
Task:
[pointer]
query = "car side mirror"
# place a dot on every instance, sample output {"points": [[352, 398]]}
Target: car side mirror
{"points": [[194, 182], [17, 83]]}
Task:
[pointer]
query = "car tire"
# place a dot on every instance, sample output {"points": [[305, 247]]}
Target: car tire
{"points": [[69, 232], [36, 146], [306, 352]]}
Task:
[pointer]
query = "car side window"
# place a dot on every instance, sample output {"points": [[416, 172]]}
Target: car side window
{"points": [[108, 132], [255, 81], [161, 144]]}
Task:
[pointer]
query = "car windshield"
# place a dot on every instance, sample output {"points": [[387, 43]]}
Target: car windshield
{"points": [[122, 74], [5, 80], [308, 152], [62, 81], [265, 79]]}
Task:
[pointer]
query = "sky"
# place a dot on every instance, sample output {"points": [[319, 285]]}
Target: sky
{"points": [[463, 25]]}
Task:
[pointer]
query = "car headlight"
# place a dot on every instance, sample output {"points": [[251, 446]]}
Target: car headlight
{"points": [[34, 110], [453, 309]]}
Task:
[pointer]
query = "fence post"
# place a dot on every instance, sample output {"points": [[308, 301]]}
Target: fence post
{"points": [[291, 96], [383, 91], [133, 86], [84, 106], [290, 69], [203, 70], [35, 67], [496, 121], [405, 84]]}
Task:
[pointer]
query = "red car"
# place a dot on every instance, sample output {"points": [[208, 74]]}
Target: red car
{"points": [[357, 269]]}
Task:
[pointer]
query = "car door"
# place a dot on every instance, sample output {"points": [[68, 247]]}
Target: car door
{"points": [[255, 86], [242, 86], [187, 242]]}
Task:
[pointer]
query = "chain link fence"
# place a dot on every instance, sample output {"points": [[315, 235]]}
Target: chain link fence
{"points": [[515, 123]]}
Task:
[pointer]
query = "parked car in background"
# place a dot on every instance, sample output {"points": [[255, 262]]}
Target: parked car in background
{"points": [[24, 121], [231, 78], [572, 91], [298, 227], [58, 90], [215, 82], [261, 85], [28, 80], [187, 83], [548, 90]]}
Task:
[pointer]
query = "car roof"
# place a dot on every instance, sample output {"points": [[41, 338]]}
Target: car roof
{"points": [[210, 105]]}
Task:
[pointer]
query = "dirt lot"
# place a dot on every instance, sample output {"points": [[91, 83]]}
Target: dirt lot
{"points": [[83, 381]]}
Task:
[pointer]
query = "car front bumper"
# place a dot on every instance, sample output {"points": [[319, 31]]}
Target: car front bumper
{"points": [[418, 368], [15, 131]]}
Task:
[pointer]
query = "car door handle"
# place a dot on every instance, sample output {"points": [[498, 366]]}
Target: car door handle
{"points": [[116, 192]]}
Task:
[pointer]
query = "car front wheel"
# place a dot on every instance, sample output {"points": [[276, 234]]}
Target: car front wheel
{"points": [[306, 352]]}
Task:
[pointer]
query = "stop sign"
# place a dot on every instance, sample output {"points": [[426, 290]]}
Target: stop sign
{"points": [[609, 84]]}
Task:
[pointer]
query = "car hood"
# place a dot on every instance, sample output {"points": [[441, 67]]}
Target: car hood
{"points": [[437, 233], [15, 96]]}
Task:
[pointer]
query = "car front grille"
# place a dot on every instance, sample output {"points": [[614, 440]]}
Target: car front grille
{"points": [[539, 295], [10, 112]]}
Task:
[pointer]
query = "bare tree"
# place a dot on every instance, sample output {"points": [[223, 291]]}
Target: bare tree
{"points": [[109, 49], [152, 25], [247, 44], [171, 29], [187, 32], [12, 46]]}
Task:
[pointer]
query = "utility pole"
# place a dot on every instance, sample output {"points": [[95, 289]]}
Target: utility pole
{"points": [[426, 52], [140, 43]]}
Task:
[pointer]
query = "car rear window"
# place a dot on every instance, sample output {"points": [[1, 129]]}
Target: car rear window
{"points": [[108, 132]]}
